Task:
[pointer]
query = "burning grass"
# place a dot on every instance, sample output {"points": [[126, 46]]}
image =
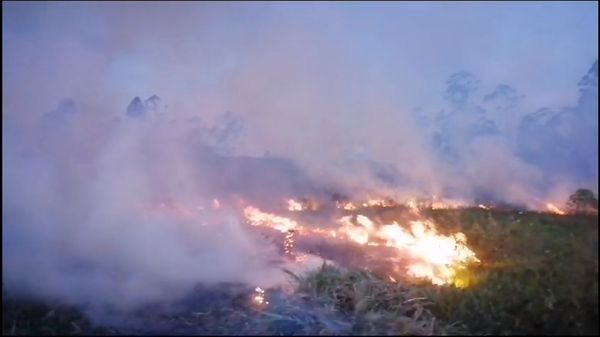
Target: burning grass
{"points": [[416, 245], [538, 275]]}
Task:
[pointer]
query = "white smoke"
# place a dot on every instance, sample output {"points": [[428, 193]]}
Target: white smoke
{"points": [[258, 100]]}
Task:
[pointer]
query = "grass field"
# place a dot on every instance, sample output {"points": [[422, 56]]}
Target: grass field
{"points": [[538, 275]]}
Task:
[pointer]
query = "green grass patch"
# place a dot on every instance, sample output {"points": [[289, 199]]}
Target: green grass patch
{"points": [[539, 275]]}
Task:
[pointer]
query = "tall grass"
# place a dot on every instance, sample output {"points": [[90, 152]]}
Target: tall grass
{"points": [[539, 275]]}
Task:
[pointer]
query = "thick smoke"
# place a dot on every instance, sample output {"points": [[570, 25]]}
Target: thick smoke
{"points": [[254, 102], [74, 221]]}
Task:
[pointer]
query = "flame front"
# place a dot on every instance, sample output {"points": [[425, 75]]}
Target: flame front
{"points": [[377, 203], [346, 205], [256, 217], [555, 209], [355, 233], [437, 256], [447, 204], [434, 257], [429, 255]]}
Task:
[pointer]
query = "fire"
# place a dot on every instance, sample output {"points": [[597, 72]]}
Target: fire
{"points": [[349, 206], [555, 209], [429, 255], [355, 233], [434, 202], [257, 217], [446, 204], [436, 257], [483, 206], [301, 205], [346, 205], [439, 254], [375, 202], [293, 205], [259, 296], [412, 203], [365, 222], [288, 243]]}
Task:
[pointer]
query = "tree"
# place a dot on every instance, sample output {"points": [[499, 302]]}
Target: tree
{"points": [[583, 201]]}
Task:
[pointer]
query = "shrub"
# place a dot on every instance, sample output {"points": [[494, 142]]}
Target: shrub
{"points": [[583, 201]]}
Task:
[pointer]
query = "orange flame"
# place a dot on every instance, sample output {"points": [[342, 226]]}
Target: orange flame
{"points": [[555, 209], [259, 297], [448, 204], [376, 202], [288, 243], [355, 233], [257, 217], [436, 256], [346, 205]]}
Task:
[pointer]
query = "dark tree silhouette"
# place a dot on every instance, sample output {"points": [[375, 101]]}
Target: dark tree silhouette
{"points": [[583, 201]]}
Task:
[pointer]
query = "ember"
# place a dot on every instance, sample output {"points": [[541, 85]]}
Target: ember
{"points": [[259, 297], [288, 243]]}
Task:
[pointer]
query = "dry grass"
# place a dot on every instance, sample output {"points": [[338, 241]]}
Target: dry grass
{"points": [[371, 304], [539, 275]]}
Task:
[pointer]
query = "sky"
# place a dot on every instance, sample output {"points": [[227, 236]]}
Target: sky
{"points": [[294, 66], [410, 48], [491, 101]]}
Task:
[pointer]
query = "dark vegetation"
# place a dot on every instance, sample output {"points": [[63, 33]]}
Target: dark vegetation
{"points": [[583, 201]]}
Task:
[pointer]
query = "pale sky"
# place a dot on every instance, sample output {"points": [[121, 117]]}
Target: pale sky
{"points": [[406, 50]]}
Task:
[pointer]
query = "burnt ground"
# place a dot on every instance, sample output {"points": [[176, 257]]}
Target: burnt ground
{"points": [[225, 309]]}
